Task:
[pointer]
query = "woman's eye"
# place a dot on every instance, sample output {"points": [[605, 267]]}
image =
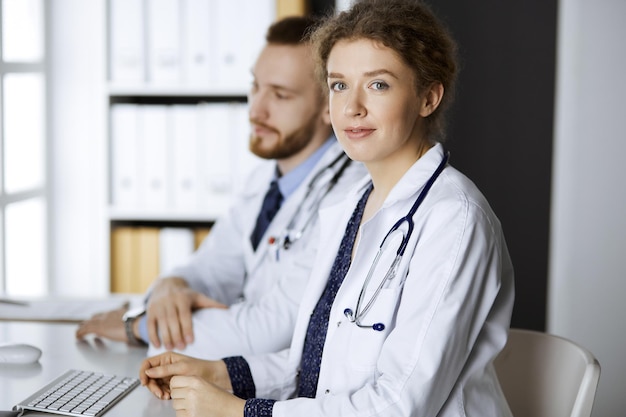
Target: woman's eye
{"points": [[379, 85], [337, 86]]}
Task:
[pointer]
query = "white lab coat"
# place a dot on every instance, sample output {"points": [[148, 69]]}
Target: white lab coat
{"points": [[263, 288], [443, 328]]}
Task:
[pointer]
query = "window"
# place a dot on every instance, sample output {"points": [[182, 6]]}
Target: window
{"points": [[23, 128]]}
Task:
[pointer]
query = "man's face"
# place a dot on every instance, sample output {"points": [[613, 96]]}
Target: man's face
{"points": [[285, 102]]}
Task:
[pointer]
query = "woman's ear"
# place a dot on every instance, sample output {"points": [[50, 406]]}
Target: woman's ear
{"points": [[432, 99]]}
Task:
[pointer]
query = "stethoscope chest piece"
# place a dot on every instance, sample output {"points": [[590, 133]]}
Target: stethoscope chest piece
{"points": [[379, 327]]}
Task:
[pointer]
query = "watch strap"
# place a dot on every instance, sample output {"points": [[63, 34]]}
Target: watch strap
{"points": [[130, 334]]}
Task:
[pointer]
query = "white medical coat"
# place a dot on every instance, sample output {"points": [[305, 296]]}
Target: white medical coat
{"points": [[444, 324], [262, 287]]}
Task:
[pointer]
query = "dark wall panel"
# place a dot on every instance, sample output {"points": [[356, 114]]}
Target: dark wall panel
{"points": [[501, 127]]}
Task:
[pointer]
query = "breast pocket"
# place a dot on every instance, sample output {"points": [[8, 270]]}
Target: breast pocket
{"points": [[365, 343]]}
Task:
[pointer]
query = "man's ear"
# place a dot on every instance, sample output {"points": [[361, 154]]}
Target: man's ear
{"points": [[326, 113], [431, 100]]}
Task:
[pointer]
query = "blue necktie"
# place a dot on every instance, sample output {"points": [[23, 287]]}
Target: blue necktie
{"points": [[318, 323], [271, 204]]}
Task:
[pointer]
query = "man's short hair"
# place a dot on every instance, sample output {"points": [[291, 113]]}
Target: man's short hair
{"points": [[292, 30]]}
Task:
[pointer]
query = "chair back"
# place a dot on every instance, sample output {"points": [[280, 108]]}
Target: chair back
{"points": [[544, 375]]}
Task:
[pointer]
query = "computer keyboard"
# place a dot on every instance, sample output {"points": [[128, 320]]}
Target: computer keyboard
{"points": [[79, 393]]}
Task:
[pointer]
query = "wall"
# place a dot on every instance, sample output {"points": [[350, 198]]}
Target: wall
{"points": [[588, 245], [77, 146]]}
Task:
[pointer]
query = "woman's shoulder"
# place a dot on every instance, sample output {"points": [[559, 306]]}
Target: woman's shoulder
{"points": [[457, 192]]}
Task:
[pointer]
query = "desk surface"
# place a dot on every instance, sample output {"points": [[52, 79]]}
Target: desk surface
{"points": [[60, 352]]}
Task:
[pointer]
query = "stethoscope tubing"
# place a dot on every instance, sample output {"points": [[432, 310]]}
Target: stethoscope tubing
{"points": [[418, 201], [355, 317], [290, 237]]}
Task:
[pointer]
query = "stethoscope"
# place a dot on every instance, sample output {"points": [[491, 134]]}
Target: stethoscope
{"points": [[356, 316], [310, 204]]}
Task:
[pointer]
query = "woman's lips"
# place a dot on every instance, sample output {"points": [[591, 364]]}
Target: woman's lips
{"points": [[358, 132]]}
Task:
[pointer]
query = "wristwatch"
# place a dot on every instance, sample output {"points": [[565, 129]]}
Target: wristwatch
{"points": [[129, 319]]}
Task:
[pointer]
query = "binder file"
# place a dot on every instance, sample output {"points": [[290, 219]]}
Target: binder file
{"points": [[126, 41]]}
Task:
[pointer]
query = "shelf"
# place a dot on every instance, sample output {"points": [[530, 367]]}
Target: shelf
{"points": [[174, 91], [165, 216]]}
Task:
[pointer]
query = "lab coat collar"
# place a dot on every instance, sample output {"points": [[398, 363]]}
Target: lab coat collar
{"points": [[411, 182], [291, 204], [259, 180], [416, 176]]}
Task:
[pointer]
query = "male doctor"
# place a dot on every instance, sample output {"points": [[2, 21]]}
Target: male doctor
{"points": [[222, 302]]}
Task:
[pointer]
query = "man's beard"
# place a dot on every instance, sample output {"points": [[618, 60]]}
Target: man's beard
{"points": [[286, 146]]}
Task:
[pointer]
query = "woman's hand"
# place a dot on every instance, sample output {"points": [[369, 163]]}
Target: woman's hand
{"points": [[194, 397], [156, 372]]}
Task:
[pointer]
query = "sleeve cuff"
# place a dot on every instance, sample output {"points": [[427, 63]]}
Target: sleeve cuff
{"points": [[257, 407], [240, 377], [143, 328]]}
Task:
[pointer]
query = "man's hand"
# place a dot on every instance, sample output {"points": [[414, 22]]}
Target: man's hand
{"points": [[156, 372], [169, 312], [108, 325]]}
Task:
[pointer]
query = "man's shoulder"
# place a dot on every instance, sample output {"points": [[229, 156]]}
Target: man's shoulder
{"points": [[258, 178]]}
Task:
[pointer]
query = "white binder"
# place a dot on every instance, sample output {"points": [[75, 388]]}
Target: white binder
{"points": [[176, 244], [126, 41], [154, 175], [245, 161], [184, 161], [197, 45], [216, 166], [124, 156], [237, 49], [164, 47]]}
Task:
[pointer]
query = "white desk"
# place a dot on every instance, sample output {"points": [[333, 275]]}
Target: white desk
{"points": [[61, 351]]}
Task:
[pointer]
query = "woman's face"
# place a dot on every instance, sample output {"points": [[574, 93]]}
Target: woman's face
{"points": [[374, 106]]}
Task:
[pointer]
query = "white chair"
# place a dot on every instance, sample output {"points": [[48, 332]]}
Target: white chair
{"points": [[543, 375]]}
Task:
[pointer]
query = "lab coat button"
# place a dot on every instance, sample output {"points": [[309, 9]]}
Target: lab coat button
{"points": [[327, 391]]}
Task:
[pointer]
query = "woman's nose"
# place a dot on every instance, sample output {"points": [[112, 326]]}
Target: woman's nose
{"points": [[354, 105]]}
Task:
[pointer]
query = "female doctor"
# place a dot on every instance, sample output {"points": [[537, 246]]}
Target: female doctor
{"points": [[411, 300]]}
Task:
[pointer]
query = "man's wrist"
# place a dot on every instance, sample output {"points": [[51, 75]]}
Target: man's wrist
{"points": [[167, 284], [131, 322]]}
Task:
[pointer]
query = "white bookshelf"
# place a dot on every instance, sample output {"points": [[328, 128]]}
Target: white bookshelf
{"points": [[185, 56]]}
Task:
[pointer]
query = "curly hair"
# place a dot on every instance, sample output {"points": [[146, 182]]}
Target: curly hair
{"points": [[409, 28]]}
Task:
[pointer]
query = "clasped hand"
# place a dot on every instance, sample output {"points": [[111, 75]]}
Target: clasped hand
{"points": [[196, 387]]}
